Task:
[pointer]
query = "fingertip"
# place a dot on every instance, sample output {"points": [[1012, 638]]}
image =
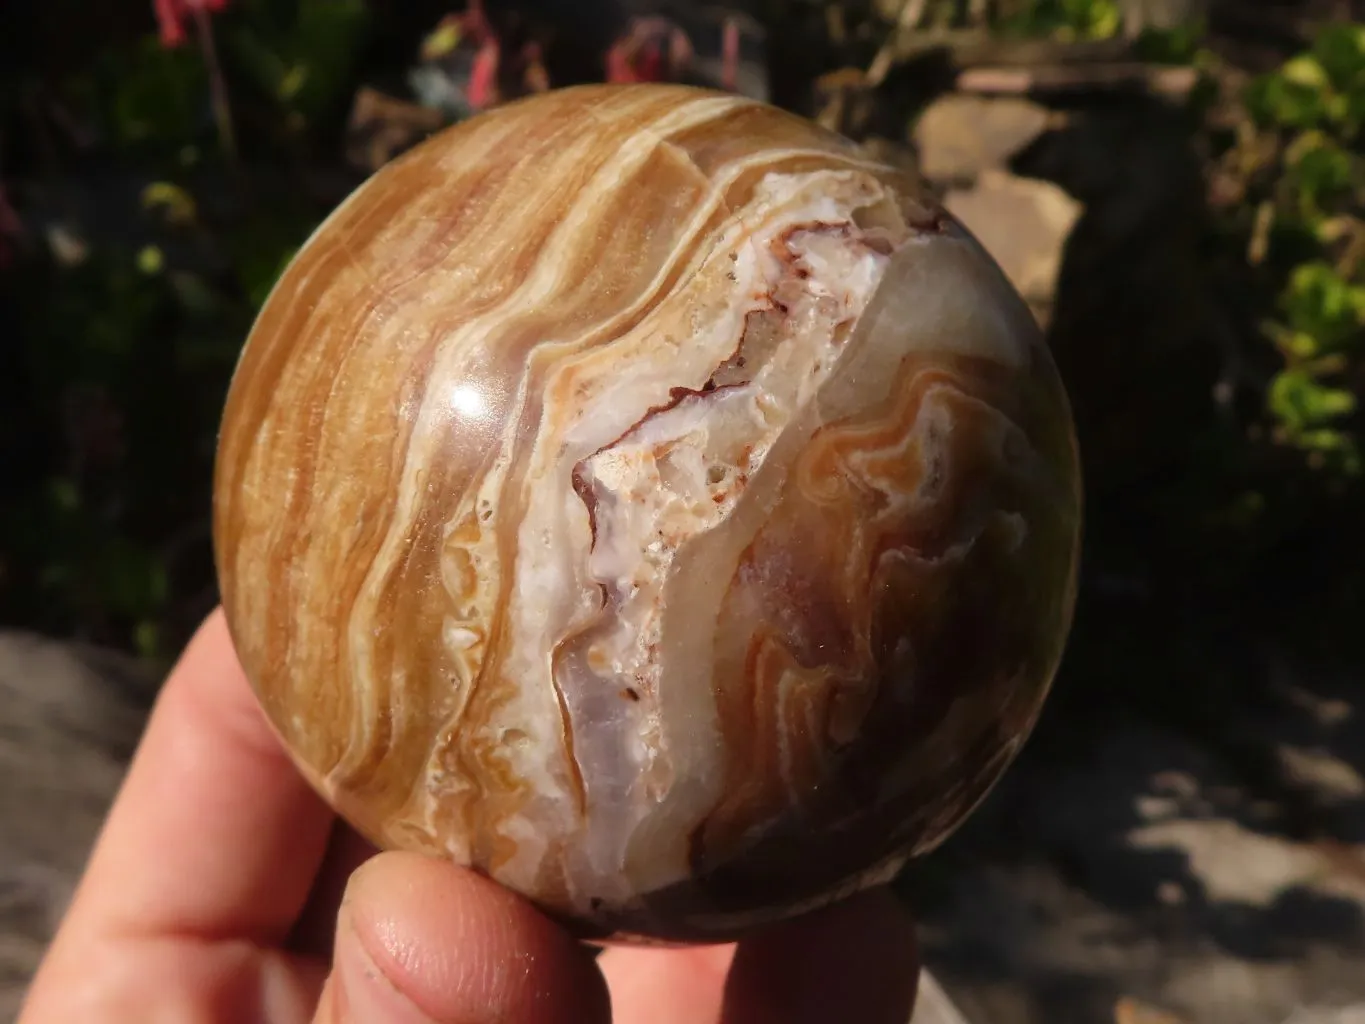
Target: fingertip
{"points": [[666, 986], [214, 832], [425, 938], [857, 960]]}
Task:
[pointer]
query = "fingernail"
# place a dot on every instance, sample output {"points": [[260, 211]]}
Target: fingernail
{"points": [[364, 993]]}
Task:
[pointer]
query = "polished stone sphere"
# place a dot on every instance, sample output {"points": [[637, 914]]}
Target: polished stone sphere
{"points": [[643, 497]]}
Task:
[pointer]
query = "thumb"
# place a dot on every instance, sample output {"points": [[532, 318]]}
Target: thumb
{"points": [[421, 941]]}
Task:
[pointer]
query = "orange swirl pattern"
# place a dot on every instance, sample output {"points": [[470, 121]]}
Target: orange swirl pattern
{"points": [[637, 494]]}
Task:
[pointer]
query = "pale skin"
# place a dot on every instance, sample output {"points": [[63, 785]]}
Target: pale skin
{"points": [[223, 889]]}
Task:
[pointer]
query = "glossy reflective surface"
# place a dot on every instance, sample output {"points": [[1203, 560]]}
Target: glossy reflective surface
{"points": [[640, 496]]}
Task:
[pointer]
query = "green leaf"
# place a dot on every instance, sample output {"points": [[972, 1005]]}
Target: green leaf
{"points": [[442, 40], [302, 61], [1319, 303], [1300, 402], [130, 579], [1065, 20], [1324, 440], [328, 38], [1296, 96], [1339, 50], [177, 205], [293, 82], [153, 96], [1320, 171], [150, 260], [147, 639], [262, 67], [1306, 72], [1302, 345], [1179, 44]]}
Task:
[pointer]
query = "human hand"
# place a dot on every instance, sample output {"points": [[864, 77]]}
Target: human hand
{"points": [[221, 883]]}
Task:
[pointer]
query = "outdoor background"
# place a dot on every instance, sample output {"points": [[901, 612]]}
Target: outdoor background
{"points": [[1176, 186]]}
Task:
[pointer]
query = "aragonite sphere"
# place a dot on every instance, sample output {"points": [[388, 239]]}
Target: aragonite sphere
{"points": [[639, 495]]}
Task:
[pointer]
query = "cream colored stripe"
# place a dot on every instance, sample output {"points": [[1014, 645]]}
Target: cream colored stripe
{"points": [[453, 352]]}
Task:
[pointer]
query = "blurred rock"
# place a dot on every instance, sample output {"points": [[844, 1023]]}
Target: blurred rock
{"points": [[1072, 82], [1335, 780], [1142, 870], [1150, 876], [1233, 863], [932, 1005], [1024, 223], [1341, 1015], [1131, 1011], [1144, 15], [959, 136], [72, 716]]}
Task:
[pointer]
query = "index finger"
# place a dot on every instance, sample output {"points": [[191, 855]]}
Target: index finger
{"points": [[214, 833]]}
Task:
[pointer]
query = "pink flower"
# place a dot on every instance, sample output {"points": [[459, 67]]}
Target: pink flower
{"points": [[482, 90], [10, 228], [653, 49], [171, 15]]}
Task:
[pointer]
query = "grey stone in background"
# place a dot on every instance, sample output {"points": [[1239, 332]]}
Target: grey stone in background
{"points": [[1024, 223], [1167, 877], [933, 1006], [1139, 15], [70, 719], [959, 136], [965, 145]]}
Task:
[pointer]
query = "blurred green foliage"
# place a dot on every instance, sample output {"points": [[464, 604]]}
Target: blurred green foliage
{"points": [[297, 58], [157, 246], [152, 238], [1311, 199], [144, 96], [1067, 19]]}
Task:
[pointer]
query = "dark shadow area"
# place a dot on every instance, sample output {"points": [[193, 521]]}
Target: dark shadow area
{"points": [[1183, 826]]}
